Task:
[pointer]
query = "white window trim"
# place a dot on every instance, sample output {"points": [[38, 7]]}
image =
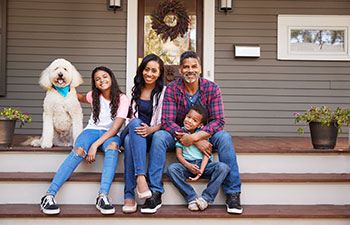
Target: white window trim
{"points": [[208, 42], [288, 22]]}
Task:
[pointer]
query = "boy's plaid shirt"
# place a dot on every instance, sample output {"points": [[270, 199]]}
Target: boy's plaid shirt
{"points": [[175, 105]]}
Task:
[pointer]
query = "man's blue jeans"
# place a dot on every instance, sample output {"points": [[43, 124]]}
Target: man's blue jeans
{"points": [[215, 171], [135, 148], [221, 140], [85, 140]]}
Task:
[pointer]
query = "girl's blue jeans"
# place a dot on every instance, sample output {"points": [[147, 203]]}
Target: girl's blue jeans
{"points": [[85, 140], [135, 148], [215, 171]]}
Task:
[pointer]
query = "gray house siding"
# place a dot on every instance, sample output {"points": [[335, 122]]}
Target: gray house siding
{"points": [[261, 94], [81, 31]]}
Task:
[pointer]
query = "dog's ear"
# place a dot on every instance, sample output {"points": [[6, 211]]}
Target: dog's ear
{"points": [[76, 77], [45, 79]]}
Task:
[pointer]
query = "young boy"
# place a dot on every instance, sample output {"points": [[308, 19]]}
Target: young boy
{"points": [[194, 165]]}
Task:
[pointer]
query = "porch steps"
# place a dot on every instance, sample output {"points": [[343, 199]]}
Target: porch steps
{"points": [[284, 181]]}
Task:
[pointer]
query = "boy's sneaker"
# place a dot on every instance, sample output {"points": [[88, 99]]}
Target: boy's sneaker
{"points": [[103, 204], [48, 205], [233, 203], [193, 206], [202, 203], [153, 203]]}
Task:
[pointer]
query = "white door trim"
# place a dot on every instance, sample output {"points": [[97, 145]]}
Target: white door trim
{"points": [[208, 42]]}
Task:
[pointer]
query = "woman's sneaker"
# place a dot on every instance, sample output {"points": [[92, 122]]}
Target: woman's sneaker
{"points": [[48, 205], [103, 204]]}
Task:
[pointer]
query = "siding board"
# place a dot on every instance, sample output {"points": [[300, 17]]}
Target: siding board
{"points": [[82, 31], [261, 94]]}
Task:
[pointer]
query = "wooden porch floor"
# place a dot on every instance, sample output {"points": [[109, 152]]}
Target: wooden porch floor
{"points": [[241, 144]]}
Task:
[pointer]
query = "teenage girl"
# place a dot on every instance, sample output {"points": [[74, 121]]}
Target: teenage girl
{"points": [[146, 104], [109, 111]]}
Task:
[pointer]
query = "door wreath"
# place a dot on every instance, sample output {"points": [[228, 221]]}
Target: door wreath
{"points": [[170, 19]]}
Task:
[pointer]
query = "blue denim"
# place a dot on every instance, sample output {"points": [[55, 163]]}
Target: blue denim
{"points": [[221, 140], [161, 142], [215, 171], [85, 140], [135, 148]]}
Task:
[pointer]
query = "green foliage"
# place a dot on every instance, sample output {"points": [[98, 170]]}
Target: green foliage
{"points": [[10, 113], [326, 116]]}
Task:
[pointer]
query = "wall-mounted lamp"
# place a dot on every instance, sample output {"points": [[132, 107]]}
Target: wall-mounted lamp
{"points": [[225, 5], [114, 4], [252, 51]]}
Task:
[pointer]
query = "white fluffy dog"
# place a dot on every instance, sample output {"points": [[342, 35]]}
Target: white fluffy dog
{"points": [[62, 116]]}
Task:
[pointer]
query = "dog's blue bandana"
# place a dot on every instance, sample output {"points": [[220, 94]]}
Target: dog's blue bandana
{"points": [[63, 91]]}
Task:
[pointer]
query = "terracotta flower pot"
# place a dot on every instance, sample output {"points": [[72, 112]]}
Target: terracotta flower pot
{"points": [[7, 129], [323, 137]]}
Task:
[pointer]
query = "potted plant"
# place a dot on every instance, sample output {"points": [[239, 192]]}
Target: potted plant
{"points": [[8, 118], [324, 123]]}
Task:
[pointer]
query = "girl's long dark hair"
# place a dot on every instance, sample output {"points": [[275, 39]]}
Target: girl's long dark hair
{"points": [[139, 82], [114, 94]]}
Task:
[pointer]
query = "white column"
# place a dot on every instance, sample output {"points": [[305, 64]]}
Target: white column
{"points": [[208, 39]]}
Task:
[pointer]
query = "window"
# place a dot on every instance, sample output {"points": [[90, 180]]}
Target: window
{"points": [[311, 37]]}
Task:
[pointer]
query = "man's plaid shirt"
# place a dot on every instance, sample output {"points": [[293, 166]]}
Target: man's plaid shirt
{"points": [[175, 106]]}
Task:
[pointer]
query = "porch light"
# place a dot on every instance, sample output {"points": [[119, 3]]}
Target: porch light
{"points": [[225, 5], [114, 4]]}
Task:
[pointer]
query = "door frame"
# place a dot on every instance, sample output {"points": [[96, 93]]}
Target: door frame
{"points": [[208, 42]]}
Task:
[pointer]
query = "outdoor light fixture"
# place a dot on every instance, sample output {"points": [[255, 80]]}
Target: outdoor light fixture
{"points": [[114, 4], [252, 51], [225, 5]]}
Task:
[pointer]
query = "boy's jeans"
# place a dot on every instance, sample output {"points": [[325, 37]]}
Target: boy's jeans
{"points": [[85, 140], [215, 171], [221, 140]]}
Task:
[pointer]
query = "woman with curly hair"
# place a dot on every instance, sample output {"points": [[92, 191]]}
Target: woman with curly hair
{"points": [[146, 105]]}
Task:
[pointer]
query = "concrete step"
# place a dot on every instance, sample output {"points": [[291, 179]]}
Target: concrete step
{"points": [[175, 214], [286, 162], [261, 189]]}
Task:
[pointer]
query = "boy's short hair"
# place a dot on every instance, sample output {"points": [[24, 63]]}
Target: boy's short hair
{"points": [[203, 111]]}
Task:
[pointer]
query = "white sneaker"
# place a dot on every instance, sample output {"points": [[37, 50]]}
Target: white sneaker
{"points": [[202, 203]]}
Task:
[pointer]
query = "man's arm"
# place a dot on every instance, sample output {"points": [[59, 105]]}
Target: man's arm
{"points": [[215, 109], [200, 139], [169, 111]]}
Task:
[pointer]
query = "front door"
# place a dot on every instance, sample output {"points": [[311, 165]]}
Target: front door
{"points": [[167, 28]]}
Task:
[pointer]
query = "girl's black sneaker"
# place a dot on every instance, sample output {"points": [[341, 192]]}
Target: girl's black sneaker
{"points": [[48, 205], [103, 204]]}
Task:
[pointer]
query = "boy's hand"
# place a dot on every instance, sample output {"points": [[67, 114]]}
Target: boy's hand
{"points": [[193, 168], [193, 179]]}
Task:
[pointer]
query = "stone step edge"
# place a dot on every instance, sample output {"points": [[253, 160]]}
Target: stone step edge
{"points": [[245, 177], [181, 211]]}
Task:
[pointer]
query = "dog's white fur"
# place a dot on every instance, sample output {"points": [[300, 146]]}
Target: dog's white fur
{"points": [[62, 116]]}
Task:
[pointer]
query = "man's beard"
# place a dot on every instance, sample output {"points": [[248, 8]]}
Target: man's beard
{"points": [[190, 80]]}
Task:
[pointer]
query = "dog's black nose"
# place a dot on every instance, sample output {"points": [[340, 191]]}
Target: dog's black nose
{"points": [[60, 75]]}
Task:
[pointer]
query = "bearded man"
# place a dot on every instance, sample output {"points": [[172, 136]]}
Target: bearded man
{"points": [[179, 97]]}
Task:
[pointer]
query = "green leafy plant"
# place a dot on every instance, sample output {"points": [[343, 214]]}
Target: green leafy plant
{"points": [[10, 113], [326, 116]]}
